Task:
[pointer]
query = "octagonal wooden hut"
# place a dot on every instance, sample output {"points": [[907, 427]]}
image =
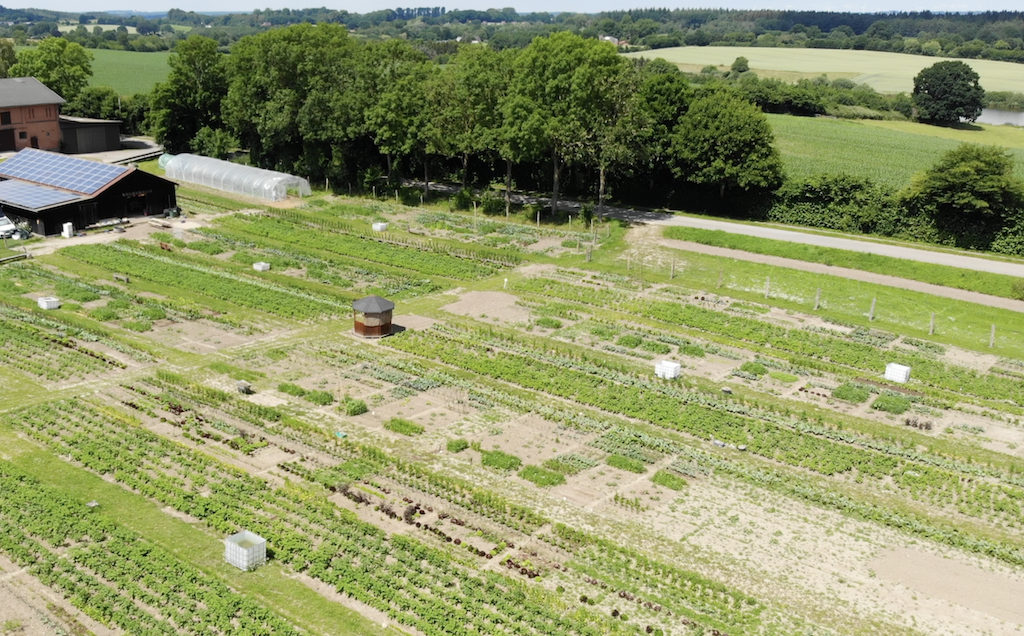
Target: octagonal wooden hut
{"points": [[372, 316]]}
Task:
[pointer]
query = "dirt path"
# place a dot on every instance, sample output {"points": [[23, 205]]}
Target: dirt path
{"points": [[853, 274]]}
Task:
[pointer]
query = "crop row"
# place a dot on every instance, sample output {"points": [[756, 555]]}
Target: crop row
{"points": [[112, 574], [838, 350], [973, 497], [42, 354], [424, 262], [209, 281]]}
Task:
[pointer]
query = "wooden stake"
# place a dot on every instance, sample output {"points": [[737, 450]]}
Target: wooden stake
{"points": [[629, 263], [767, 285], [931, 327], [817, 299], [992, 338], [672, 272], [871, 314], [720, 272]]}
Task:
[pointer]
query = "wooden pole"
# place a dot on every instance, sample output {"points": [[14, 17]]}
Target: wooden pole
{"points": [[931, 327], [720, 272], [871, 314], [817, 299], [672, 271], [992, 338], [767, 285], [629, 263]]}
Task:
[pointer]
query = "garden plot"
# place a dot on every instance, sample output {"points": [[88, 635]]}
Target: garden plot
{"points": [[489, 306]]}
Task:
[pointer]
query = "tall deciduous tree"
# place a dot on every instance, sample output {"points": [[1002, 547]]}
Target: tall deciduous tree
{"points": [[725, 141], [971, 194], [948, 92], [190, 100], [559, 85], [65, 67], [290, 99], [8, 58]]}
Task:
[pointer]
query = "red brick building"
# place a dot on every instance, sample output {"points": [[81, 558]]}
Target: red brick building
{"points": [[29, 115]]}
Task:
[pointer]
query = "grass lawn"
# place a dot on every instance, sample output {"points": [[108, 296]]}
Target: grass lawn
{"points": [[886, 152], [128, 72], [984, 282], [270, 584], [886, 72]]}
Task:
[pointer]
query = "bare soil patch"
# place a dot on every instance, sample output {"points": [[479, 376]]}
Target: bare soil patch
{"points": [[489, 305]]}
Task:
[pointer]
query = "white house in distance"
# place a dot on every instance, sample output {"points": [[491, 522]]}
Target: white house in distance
{"points": [[245, 550]]}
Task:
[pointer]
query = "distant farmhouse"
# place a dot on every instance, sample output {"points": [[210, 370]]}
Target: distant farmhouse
{"points": [[29, 115]]}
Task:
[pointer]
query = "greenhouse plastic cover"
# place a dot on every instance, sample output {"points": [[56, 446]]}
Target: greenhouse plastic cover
{"points": [[232, 177]]}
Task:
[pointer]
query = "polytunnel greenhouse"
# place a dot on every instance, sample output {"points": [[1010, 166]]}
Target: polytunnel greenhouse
{"points": [[232, 177]]}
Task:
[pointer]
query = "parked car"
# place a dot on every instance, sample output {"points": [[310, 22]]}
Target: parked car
{"points": [[7, 228]]}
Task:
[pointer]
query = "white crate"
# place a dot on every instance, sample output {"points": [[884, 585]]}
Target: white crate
{"points": [[897, 373], [380, 227], [68, 230], [49, 302], [667, 369], [261, 266]]}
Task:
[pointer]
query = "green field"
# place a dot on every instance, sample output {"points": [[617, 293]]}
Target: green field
{"points": [[68, 28], [886, 72], [128, 72], [983, 282], [885, 152]]}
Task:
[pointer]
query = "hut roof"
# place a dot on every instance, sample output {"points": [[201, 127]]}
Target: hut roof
{"points": [[373, 305]]}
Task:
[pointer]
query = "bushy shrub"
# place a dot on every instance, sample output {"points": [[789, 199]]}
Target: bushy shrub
{"points": [[463, 199], [694, 350], [153, 313]]}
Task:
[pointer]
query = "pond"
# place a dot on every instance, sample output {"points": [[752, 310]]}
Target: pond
{"points": [[999, 117]]}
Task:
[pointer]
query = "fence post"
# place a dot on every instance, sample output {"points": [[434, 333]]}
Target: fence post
{"points": [[767, 285], [992, 338], [817, 299], [720, 272], [931, 327], [672, 272], [871, 314]]}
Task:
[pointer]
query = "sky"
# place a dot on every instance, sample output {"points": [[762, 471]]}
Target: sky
{"points": [[523, 6]]}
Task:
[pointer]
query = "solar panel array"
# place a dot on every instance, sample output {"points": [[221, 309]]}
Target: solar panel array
{"points": [[60, 171], [29, 196]]}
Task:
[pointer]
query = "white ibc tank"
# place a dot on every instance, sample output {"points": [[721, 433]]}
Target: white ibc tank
{"points": [[667, 369], [261, 267], [49, 302], [897, 373]]}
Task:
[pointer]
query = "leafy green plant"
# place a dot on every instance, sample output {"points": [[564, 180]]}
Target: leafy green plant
{"points": [[541, 476], [322, 398], [500, 460], [694, 350], [207, 247], [457, 445], [291, 389], [669, 480], [655, 347], [629, 341], [626, 463], [403, 427], [549, 323], [137, 325], [781, 376], [895, 404], [104, 314], [352, 406], [754, 368], [851, 393]]}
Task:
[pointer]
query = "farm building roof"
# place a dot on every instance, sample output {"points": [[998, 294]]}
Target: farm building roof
{"points": [[26, 91], [55, 170], [373, 305]]}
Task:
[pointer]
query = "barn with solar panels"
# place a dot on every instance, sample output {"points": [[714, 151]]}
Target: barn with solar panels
{"points": [[47, 190]]}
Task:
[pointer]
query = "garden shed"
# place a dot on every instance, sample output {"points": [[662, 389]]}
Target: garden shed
{"points": [[372, 316], [245, 550], [233, 177]]}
